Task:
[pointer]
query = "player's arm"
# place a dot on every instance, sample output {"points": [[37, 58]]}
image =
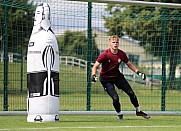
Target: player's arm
{"points": [[94, 70], [133, 68]]}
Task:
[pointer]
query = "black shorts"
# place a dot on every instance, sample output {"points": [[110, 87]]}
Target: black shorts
{"points": [[120, 82]]}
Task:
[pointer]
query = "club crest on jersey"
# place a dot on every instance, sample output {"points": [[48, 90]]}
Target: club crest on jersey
{"points": [[119, 60]]}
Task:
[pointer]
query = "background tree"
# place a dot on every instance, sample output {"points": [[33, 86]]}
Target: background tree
{"points": [[75, 44], [20, 23], [167, 1], [145, 25]]}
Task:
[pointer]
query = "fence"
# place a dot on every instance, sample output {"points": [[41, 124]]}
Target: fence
{"points": [[150, 37]]}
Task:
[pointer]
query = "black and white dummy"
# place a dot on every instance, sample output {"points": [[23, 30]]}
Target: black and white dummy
{"points": [[42, 69]]}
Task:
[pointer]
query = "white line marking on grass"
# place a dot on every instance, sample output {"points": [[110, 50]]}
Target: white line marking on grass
{"points": [[88, 127]]}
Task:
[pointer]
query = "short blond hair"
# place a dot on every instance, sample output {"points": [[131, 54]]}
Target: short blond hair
{"points": [[113, 37]]}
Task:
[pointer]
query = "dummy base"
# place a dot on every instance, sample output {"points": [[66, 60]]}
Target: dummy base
{"points": [[43, 118]]}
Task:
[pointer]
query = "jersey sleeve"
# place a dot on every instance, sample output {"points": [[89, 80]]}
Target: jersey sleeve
{"points": [[101, 57], [125, 58]]}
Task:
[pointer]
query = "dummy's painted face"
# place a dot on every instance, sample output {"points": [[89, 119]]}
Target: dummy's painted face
{"points": [[42, 16], [38, 15]]}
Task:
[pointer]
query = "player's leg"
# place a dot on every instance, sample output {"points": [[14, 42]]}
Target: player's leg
{"points": [[122, 83], [110, 89], [125, 86]]}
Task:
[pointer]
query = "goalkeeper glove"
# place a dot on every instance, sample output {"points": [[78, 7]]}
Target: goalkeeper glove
{"points": [[94, 78], [143, 76]]}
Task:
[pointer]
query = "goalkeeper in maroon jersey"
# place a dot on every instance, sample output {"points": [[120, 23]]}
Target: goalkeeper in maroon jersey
{"points": [[110, 76]]}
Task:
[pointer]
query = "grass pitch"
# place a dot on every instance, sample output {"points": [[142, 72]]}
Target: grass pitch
{"points": [[93, 123]]}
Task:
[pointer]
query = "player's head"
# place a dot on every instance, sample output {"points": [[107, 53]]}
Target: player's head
{"points": [[42, 16], [114, 42]]}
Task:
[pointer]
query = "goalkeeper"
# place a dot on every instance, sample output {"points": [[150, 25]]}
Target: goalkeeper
{"points": [[110, 76]]}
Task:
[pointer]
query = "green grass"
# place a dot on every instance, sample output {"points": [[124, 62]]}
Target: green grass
{"points": [[73, 96], [93, 122]]}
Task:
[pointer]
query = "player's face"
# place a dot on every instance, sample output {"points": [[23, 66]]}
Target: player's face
{"points": [[114, 43]]}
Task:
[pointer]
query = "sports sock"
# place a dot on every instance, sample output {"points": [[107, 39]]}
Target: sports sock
{"points": [[138, 109], [119, 113]]}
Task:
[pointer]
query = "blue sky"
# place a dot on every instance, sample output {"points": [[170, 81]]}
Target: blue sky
{"points": [[73, 15]]}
